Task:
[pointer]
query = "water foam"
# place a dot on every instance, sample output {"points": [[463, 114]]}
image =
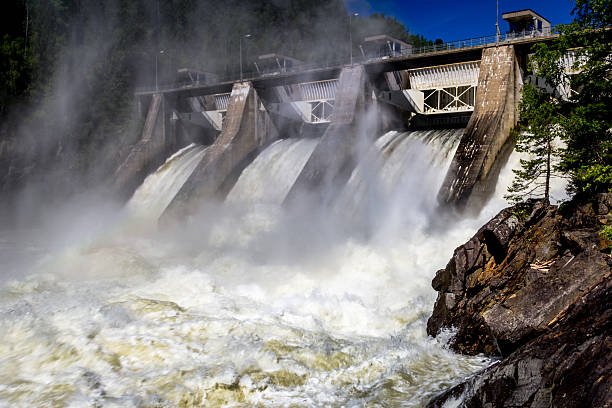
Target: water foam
{"points": [[157, 191], [283, 311]]}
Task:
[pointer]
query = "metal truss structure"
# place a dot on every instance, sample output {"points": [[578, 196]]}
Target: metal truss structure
{"points": [[451, 99], [222, 101], [321, 111], [321, 96], [447, 88]]}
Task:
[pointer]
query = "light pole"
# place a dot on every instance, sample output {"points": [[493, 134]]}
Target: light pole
{"points": [[25, 44], [497, 34], [156, 55], [351, 35], [240, 46]]}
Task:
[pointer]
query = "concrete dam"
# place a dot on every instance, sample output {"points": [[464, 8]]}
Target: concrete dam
{"points": [[279, 239], [472, 87]]}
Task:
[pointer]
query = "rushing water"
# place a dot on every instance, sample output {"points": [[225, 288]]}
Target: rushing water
{"points": [[159, 188], [249, 304], [271, 175]]}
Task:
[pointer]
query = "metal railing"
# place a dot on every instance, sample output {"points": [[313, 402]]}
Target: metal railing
{"points": [[445, 47]]}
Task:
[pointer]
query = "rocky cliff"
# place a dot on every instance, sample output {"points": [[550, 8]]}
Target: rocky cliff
{"points": [[533, 287]]}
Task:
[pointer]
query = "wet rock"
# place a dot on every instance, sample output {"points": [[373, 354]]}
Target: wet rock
{"points": [[531, 309], [604, 203], [569, 366], [532, 287]]}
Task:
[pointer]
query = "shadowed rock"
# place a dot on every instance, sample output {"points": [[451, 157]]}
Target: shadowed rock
{"points": [[533, 285]]}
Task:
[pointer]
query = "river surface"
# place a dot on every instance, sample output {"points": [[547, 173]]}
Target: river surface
{"points": [[246, 303]]}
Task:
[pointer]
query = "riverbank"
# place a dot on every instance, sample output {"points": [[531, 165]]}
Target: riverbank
{"points": [[533, 287]]}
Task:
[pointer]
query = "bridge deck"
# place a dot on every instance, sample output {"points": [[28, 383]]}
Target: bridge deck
{"points": [[460, 51]]}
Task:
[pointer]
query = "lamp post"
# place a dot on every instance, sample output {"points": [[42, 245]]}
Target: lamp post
{"points": [[351, 35], [497, 34], [240, 46], [25, 43]]}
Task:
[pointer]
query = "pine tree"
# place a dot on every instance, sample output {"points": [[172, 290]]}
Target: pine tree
{"points": [[539, 137], [576, 107], [588, 115]]}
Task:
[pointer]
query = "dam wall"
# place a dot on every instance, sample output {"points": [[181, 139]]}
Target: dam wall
{"points": [[156, 142], [365, 103], [471, 174], [247, 129], [332, 160]]}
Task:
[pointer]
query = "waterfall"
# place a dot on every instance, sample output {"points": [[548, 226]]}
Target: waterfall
{"points": [[250, 303], [272, 174], [402, 172], [159, 188]]}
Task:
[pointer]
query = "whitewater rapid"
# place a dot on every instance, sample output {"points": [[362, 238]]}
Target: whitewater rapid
{"points": [[249, 304], [159, 188]]}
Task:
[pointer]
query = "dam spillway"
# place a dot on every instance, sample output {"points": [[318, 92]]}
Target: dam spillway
{"points": [[253, 298], [272, 174], [153, 196], [472, 88], [249, 303]]}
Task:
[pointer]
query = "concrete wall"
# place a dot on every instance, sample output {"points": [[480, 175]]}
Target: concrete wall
{"points": [[332, 160], [247, 129], [474, 165], [156, 142]]}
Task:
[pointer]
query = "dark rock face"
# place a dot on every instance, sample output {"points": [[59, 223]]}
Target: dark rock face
{"points": [[532, 286]]}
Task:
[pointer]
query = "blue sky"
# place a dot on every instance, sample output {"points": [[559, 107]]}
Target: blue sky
{"points": [[459, 19]]}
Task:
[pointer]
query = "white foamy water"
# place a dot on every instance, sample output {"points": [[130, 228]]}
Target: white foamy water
{"points": [[249, 304], [558, 185], [270, 177], [159, 188], [401, 168]]}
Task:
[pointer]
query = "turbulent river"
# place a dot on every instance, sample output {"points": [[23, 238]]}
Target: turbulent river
{"points": [[247, 303]]}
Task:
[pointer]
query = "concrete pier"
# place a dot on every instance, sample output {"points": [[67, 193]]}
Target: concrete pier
{"points": [[495, 113], [247, 129], [156, 142]]}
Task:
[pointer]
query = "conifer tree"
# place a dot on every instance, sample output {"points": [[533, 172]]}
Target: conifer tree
{"points": [[539, 138], [575, 106]]}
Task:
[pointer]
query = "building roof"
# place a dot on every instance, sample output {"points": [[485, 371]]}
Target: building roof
{"points": [[383, 38], [194, 71], [521, 15], [279, 56]]}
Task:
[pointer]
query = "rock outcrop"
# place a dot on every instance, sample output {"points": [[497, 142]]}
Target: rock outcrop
{"points": [[533, 287]]}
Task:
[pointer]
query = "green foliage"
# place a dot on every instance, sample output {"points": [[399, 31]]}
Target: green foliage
{"points": [[606, 233], [594, 179], [520, 211], [14, 71], [588, 114], [579, 107], [539, 123]]}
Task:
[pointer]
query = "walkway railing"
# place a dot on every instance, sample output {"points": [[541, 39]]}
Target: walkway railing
{"points": [[448, 46]]}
